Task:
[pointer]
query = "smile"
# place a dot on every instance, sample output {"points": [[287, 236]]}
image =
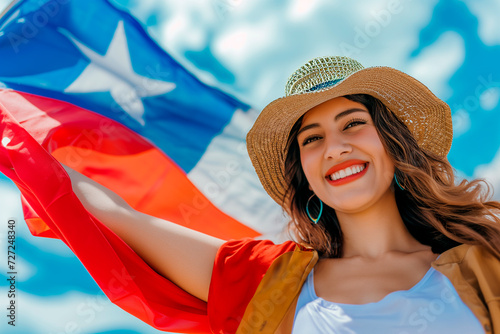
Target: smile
{"points": [[346, 172]]}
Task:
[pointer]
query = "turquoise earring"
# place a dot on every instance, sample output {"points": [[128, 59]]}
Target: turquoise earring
{"points": [[396, 179], [314, 220]]}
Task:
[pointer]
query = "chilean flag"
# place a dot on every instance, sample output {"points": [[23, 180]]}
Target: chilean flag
{"points": [[82, 83]]}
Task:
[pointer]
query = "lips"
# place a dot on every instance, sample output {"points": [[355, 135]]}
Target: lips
{"points": [[346, 172]]}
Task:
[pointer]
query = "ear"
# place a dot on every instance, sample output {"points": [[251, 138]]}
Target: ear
{"points": [[310, 188]]}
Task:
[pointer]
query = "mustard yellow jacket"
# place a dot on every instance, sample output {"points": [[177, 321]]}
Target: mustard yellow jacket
{"points": [[474, 272]]}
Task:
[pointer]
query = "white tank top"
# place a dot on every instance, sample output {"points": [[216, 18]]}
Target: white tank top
{"points": [[431, 306]]}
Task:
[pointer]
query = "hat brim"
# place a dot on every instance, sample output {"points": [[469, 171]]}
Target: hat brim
{"points": [[426, 116]]}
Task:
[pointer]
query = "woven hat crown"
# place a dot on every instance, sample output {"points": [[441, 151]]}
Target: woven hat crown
{"points": [[320, 73]]}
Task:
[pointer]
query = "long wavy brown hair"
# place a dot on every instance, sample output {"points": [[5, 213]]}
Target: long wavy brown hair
{"points": [[438, 210]]}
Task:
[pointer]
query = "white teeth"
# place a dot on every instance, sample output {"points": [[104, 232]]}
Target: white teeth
{"points": [[347, 172]]}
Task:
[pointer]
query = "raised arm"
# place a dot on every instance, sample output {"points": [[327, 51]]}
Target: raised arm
{"points": [[182, 255]]}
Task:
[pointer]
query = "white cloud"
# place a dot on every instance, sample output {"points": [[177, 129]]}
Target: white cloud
{"points": [[461, 122], [489, 98], [4, 4], [490, 172], [73, 312], [438, 62], [487, 12], [262, 47], [239, 45], [10, 204], [300, 9]]}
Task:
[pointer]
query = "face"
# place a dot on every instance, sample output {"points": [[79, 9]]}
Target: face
{"points": [[343, 158]]}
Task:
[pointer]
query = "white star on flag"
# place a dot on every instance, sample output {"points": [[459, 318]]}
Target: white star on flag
{"points": [[113, 73]]}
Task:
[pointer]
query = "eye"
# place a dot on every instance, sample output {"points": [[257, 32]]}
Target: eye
{"points": [[310, 139], [354, 122]]}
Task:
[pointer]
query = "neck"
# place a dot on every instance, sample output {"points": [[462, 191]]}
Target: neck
{"points": [[376, 231]]}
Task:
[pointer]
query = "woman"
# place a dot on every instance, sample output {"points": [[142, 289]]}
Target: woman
{"points": [[385, 241], [378, 163]]}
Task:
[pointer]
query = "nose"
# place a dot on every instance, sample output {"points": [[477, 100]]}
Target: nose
{"points": [[336, 147]]}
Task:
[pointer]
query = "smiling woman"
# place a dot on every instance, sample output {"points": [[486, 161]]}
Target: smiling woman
{"points": [[366, 181], [384, 238]]}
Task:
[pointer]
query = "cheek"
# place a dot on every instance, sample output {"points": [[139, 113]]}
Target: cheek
{"points": [[372, 143], [308, 163], [304, 161], [384, 160]]}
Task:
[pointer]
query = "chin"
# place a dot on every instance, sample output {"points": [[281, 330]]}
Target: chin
{"points": [[353, 203], [350, 206]]}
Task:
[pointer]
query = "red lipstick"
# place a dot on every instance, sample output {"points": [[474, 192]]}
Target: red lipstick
{"points": [[342, 166]]}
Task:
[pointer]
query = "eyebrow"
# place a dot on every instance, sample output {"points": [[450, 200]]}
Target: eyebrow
{"points": [[337, 117]]}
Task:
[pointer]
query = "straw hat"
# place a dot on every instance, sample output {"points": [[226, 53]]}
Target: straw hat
{"points": [[321, 79]]}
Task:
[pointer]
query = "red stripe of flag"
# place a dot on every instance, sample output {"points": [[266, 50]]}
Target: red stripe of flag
{"points": [[119, 159]]}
